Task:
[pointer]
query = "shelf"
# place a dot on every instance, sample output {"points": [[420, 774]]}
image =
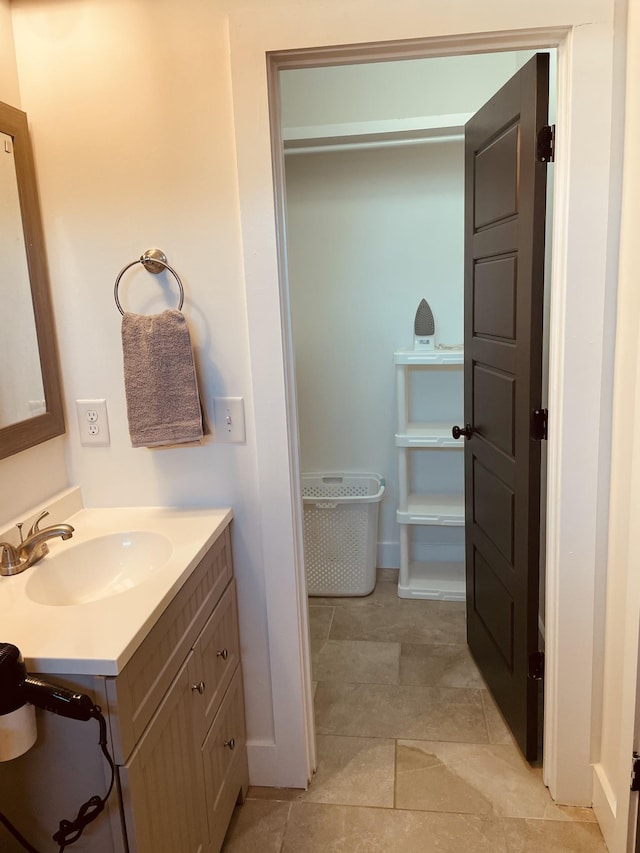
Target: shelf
{"points": [[428, 435], [374, 134], [429, 357], [439, 581], [444, 510]]}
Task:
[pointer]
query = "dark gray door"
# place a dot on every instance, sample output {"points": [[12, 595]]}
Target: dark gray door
{"points": [[505, 188]]}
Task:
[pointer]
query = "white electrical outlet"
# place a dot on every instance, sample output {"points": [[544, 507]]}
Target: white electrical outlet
{"points": [[229, 419], [93, 422]]}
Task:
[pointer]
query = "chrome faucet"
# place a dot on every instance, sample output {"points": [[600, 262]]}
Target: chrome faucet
{"points": [[15, 559]]}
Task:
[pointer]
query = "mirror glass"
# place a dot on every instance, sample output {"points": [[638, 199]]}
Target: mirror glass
{"points": [[21, 388], [30, 399]]}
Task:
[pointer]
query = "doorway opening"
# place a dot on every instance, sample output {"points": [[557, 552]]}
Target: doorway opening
{"points": [[374, 178]]}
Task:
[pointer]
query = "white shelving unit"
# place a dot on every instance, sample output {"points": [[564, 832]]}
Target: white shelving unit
{"points": [[428, 579]]}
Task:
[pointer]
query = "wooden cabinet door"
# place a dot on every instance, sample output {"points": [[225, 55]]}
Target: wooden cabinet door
{"points": [[162, 783]]}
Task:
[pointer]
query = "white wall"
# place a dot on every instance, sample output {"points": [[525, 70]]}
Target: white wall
{"points": [[370, 233], [9, 88], [387, 90], [620, 733], [29, 477], [130, 110]]}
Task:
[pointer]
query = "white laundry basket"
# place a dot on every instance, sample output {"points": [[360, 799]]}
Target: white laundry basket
{"points": [[340, 532]]}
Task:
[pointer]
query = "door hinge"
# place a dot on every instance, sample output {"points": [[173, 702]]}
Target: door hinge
{"points": [[635, 772], [546, 144], [536, 666], [539, 423]]}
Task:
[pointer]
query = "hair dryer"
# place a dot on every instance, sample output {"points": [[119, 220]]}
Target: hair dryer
{"points": [[20, 694]]}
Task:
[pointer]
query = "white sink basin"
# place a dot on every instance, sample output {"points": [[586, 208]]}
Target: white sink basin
{"points": [[98, 568]]}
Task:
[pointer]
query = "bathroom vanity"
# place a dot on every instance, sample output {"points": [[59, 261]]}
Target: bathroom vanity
{"points": [[177, 718], [171, 690]]}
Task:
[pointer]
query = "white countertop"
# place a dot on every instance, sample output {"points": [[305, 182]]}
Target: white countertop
{"points": [[99, 637]]}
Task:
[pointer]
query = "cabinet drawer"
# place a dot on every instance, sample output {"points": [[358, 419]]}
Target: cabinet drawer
{"points": [[136, 693], [225, 761], [215, 658]]}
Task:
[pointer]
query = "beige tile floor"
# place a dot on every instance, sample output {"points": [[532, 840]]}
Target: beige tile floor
{"points": [[413, 754]]}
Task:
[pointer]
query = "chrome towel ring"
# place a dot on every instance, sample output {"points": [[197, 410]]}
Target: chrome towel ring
{"points": [[153, 260]]}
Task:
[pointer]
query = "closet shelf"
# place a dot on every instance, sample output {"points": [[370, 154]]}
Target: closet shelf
{"points": [[374, 134], [444, 510]]}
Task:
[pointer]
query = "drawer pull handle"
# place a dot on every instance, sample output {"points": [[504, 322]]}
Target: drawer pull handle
{"points": [[199, 687], [224, 654], [231, 743]]}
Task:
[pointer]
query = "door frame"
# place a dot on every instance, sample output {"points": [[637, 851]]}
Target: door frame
{"points": [[582, 284]]}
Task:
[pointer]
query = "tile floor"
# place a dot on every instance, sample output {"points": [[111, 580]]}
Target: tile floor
{"points": [[413, 754]]}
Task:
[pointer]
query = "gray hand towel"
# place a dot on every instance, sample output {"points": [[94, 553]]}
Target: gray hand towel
{"points": [[163, 403]]}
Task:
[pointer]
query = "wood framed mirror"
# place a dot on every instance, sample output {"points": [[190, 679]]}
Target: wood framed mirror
{"points": [[31, 408]]}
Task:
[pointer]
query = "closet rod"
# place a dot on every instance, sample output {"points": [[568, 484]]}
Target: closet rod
{"points": [[325, 147]]}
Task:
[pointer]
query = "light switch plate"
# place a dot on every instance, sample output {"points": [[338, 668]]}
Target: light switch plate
{"points": [[229, 419]]}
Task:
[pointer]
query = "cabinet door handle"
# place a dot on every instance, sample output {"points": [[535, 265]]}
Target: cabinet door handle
{"points": [[231, 743], [223, 653], [199, 687]]}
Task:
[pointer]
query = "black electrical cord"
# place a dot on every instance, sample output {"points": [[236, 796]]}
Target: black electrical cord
{"points": [[69, 831], [7, 823]]}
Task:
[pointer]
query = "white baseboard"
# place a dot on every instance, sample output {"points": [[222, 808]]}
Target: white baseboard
{"points": [[388, 555], [263, 763], [604, 804], [265, 770]]}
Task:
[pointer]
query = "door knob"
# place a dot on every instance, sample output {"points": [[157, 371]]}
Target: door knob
{"points": [[457, 432], [223, 653], [198, 687]]}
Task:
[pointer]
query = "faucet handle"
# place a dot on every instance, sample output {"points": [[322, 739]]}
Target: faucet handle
{"points": [[35, 527], [10, 560]]}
